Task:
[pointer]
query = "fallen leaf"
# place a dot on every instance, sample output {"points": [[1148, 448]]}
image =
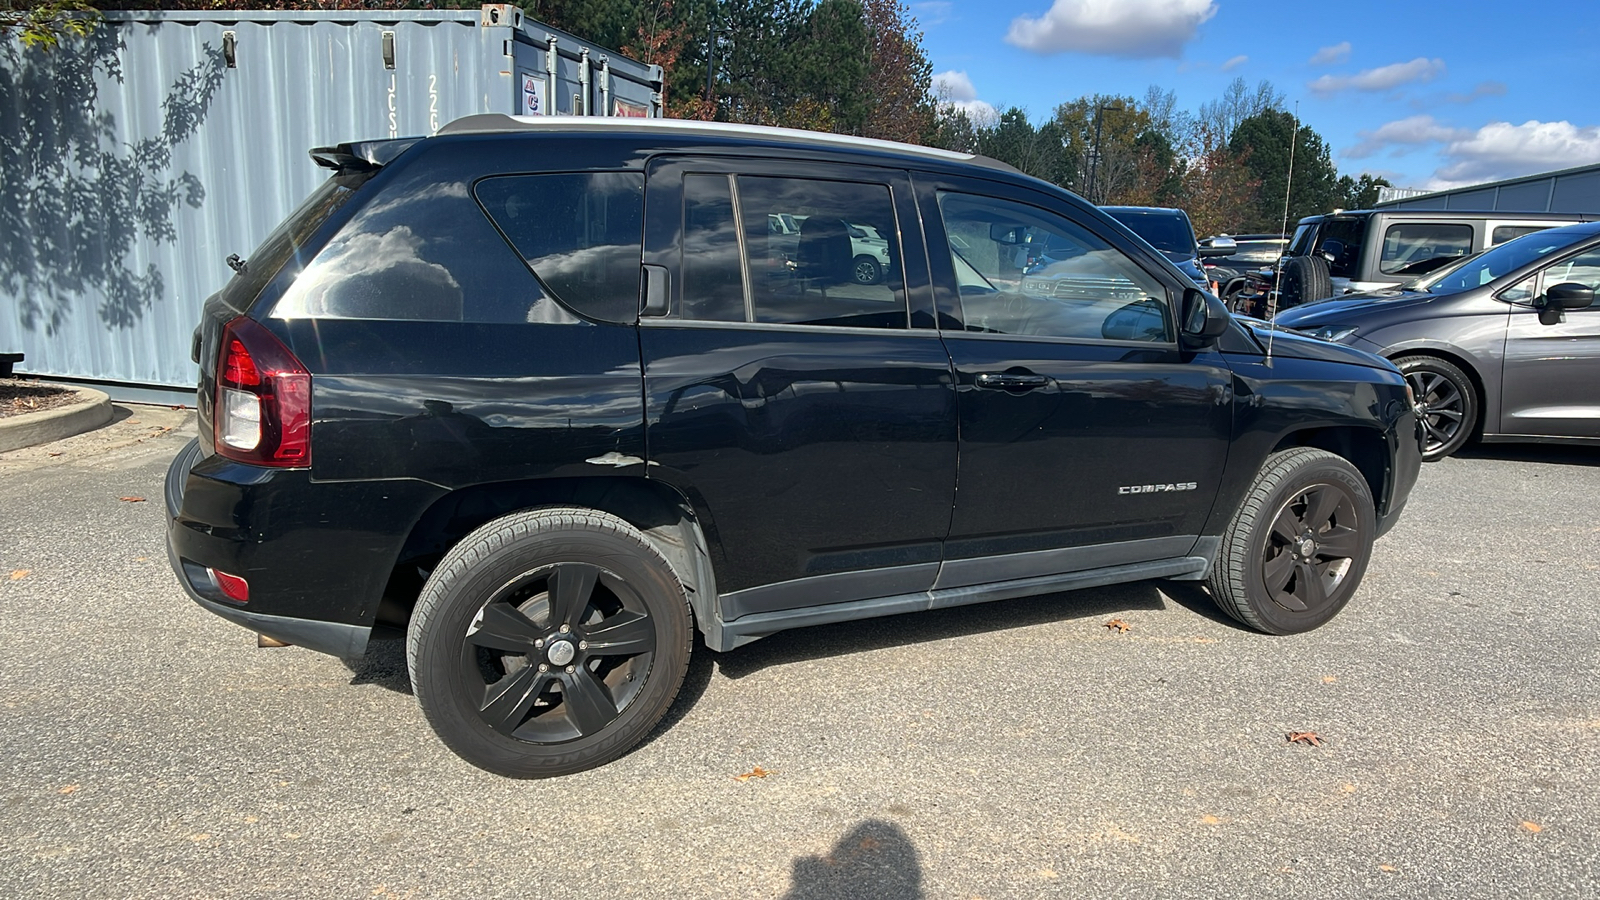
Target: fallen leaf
{"points": [[251, 820], [19, 573], [1209, 819], [131, 499], [1329, 679], [73, 789], [1532, 827], [1048, 873], [133, 421], [57, 452], [1349, 788], [197, 838], [757, 772], [1118, 625], [1387, 868], [1305, 737]]}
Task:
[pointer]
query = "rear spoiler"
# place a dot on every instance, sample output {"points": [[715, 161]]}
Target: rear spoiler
{"points": [[361, 156]]}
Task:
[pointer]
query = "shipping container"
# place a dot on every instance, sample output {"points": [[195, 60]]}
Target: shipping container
{"points": [[137, 159]]}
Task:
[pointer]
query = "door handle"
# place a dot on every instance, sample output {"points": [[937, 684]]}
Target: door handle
{"points": [[1011, 381]]}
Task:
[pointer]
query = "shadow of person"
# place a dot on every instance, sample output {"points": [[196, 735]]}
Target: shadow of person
{"points": [[874, 861]]}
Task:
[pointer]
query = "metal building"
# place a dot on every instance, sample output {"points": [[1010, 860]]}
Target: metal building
{"points": [[1567, 190], [133, 162]]}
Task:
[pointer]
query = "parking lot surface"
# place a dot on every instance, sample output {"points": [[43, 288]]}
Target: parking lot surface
{"points": [[1019, 749]]}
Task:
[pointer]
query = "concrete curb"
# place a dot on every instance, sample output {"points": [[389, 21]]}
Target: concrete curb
{"points": [[92, 410]]}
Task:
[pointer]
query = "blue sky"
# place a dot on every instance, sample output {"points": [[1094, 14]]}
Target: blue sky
{"points": [[1427, 94]]}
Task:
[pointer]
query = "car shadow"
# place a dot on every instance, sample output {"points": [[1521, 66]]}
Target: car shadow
{"points": [[1556, 454], [874, 860], [383, 665]]}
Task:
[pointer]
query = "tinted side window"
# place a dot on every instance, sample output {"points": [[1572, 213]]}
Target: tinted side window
{"points": [[803, 252], [1583, 269], [1024, 271], [1342, 239], [579, 232], [420, 250], [1417, 248], [1503, 233]]}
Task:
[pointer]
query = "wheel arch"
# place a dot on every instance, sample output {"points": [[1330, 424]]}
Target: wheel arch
{"points": [[665, 518], [1461, 360], [1364, 448]]}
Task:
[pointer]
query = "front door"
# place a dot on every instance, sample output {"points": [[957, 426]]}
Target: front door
{"points": [[1551, 381], [1089, 438]]}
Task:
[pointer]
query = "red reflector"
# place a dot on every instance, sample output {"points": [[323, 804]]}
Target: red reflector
{"points": [[233, 586], [238, 368]]}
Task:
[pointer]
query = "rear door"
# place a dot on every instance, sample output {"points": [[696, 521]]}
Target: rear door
{"points": [[810, 416], [1089, 438]]}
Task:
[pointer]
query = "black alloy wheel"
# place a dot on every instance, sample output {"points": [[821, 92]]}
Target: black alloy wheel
{"points": [[1296, 550], [548, 642], [1447, 403], [560, 650]]}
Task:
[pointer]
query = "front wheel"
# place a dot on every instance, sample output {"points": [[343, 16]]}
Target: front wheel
{"points": [[1296, 549], [548, 642], [1446, 400]]}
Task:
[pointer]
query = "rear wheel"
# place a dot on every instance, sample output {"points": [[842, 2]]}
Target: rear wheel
{"points": [[1296, 549], [865, 270], [548, 642], [1447, 403]]}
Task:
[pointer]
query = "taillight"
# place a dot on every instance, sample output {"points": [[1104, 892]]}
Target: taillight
{"points": [[263, 410]]}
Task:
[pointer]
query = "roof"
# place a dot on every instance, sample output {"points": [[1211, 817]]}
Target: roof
{"points": [[498, 123]]}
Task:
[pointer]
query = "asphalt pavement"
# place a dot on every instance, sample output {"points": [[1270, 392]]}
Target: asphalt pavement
{"points": [[1015, 750]]}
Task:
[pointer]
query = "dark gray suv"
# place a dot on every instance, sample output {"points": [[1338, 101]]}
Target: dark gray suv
{"points": [[1506, 345]]}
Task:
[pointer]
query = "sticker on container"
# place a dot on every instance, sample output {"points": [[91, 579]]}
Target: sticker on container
{"points": [[532, 95], [629, 110]]}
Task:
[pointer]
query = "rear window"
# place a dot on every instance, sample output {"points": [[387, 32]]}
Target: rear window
{"points": [[1168, 232], [1503, 233], [288, 240]]}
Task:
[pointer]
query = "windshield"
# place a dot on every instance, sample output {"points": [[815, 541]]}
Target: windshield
{"points": [[1166, 231], [1501, 260]]}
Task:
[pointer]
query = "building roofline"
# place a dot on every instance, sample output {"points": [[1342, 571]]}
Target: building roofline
{"points": [[1488, 185]]}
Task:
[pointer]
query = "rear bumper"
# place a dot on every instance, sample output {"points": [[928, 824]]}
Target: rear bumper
{"points": [[317, 557]]}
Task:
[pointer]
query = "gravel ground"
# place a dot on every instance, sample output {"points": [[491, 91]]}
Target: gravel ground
{"points": [[1019, 749]]}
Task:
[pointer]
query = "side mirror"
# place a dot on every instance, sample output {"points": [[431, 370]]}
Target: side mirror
{"points": [[1222, 245], [1204, 319], [1568, 295]]}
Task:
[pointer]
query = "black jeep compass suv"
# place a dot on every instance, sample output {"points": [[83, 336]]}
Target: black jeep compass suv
{"points": [[551, 396]]}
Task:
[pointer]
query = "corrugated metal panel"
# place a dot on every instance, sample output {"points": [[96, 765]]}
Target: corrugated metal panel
{"points": [[136, 161], [1566, 190]]}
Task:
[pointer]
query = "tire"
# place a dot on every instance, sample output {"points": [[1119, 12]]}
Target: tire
{"points": [[521, 678], [1448, 402], [1305, 279], [1297, 548], [865, 270]]}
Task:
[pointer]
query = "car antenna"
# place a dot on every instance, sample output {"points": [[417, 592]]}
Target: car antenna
{"points": [[1277, 279]]}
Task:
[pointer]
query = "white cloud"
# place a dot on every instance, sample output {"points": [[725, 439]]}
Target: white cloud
{"points": [[1328, 56], [1384, 78], [1234, 63], [932, 12], [1137, 29], [1503, 150], [954, 88], [1496, 151], [1412, 131]]}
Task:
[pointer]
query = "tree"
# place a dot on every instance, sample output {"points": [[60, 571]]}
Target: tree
{"points": [[1238, 103], [902, 76], [1263, 141], [1360, 193], [44, 24], [1218, 190]]}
